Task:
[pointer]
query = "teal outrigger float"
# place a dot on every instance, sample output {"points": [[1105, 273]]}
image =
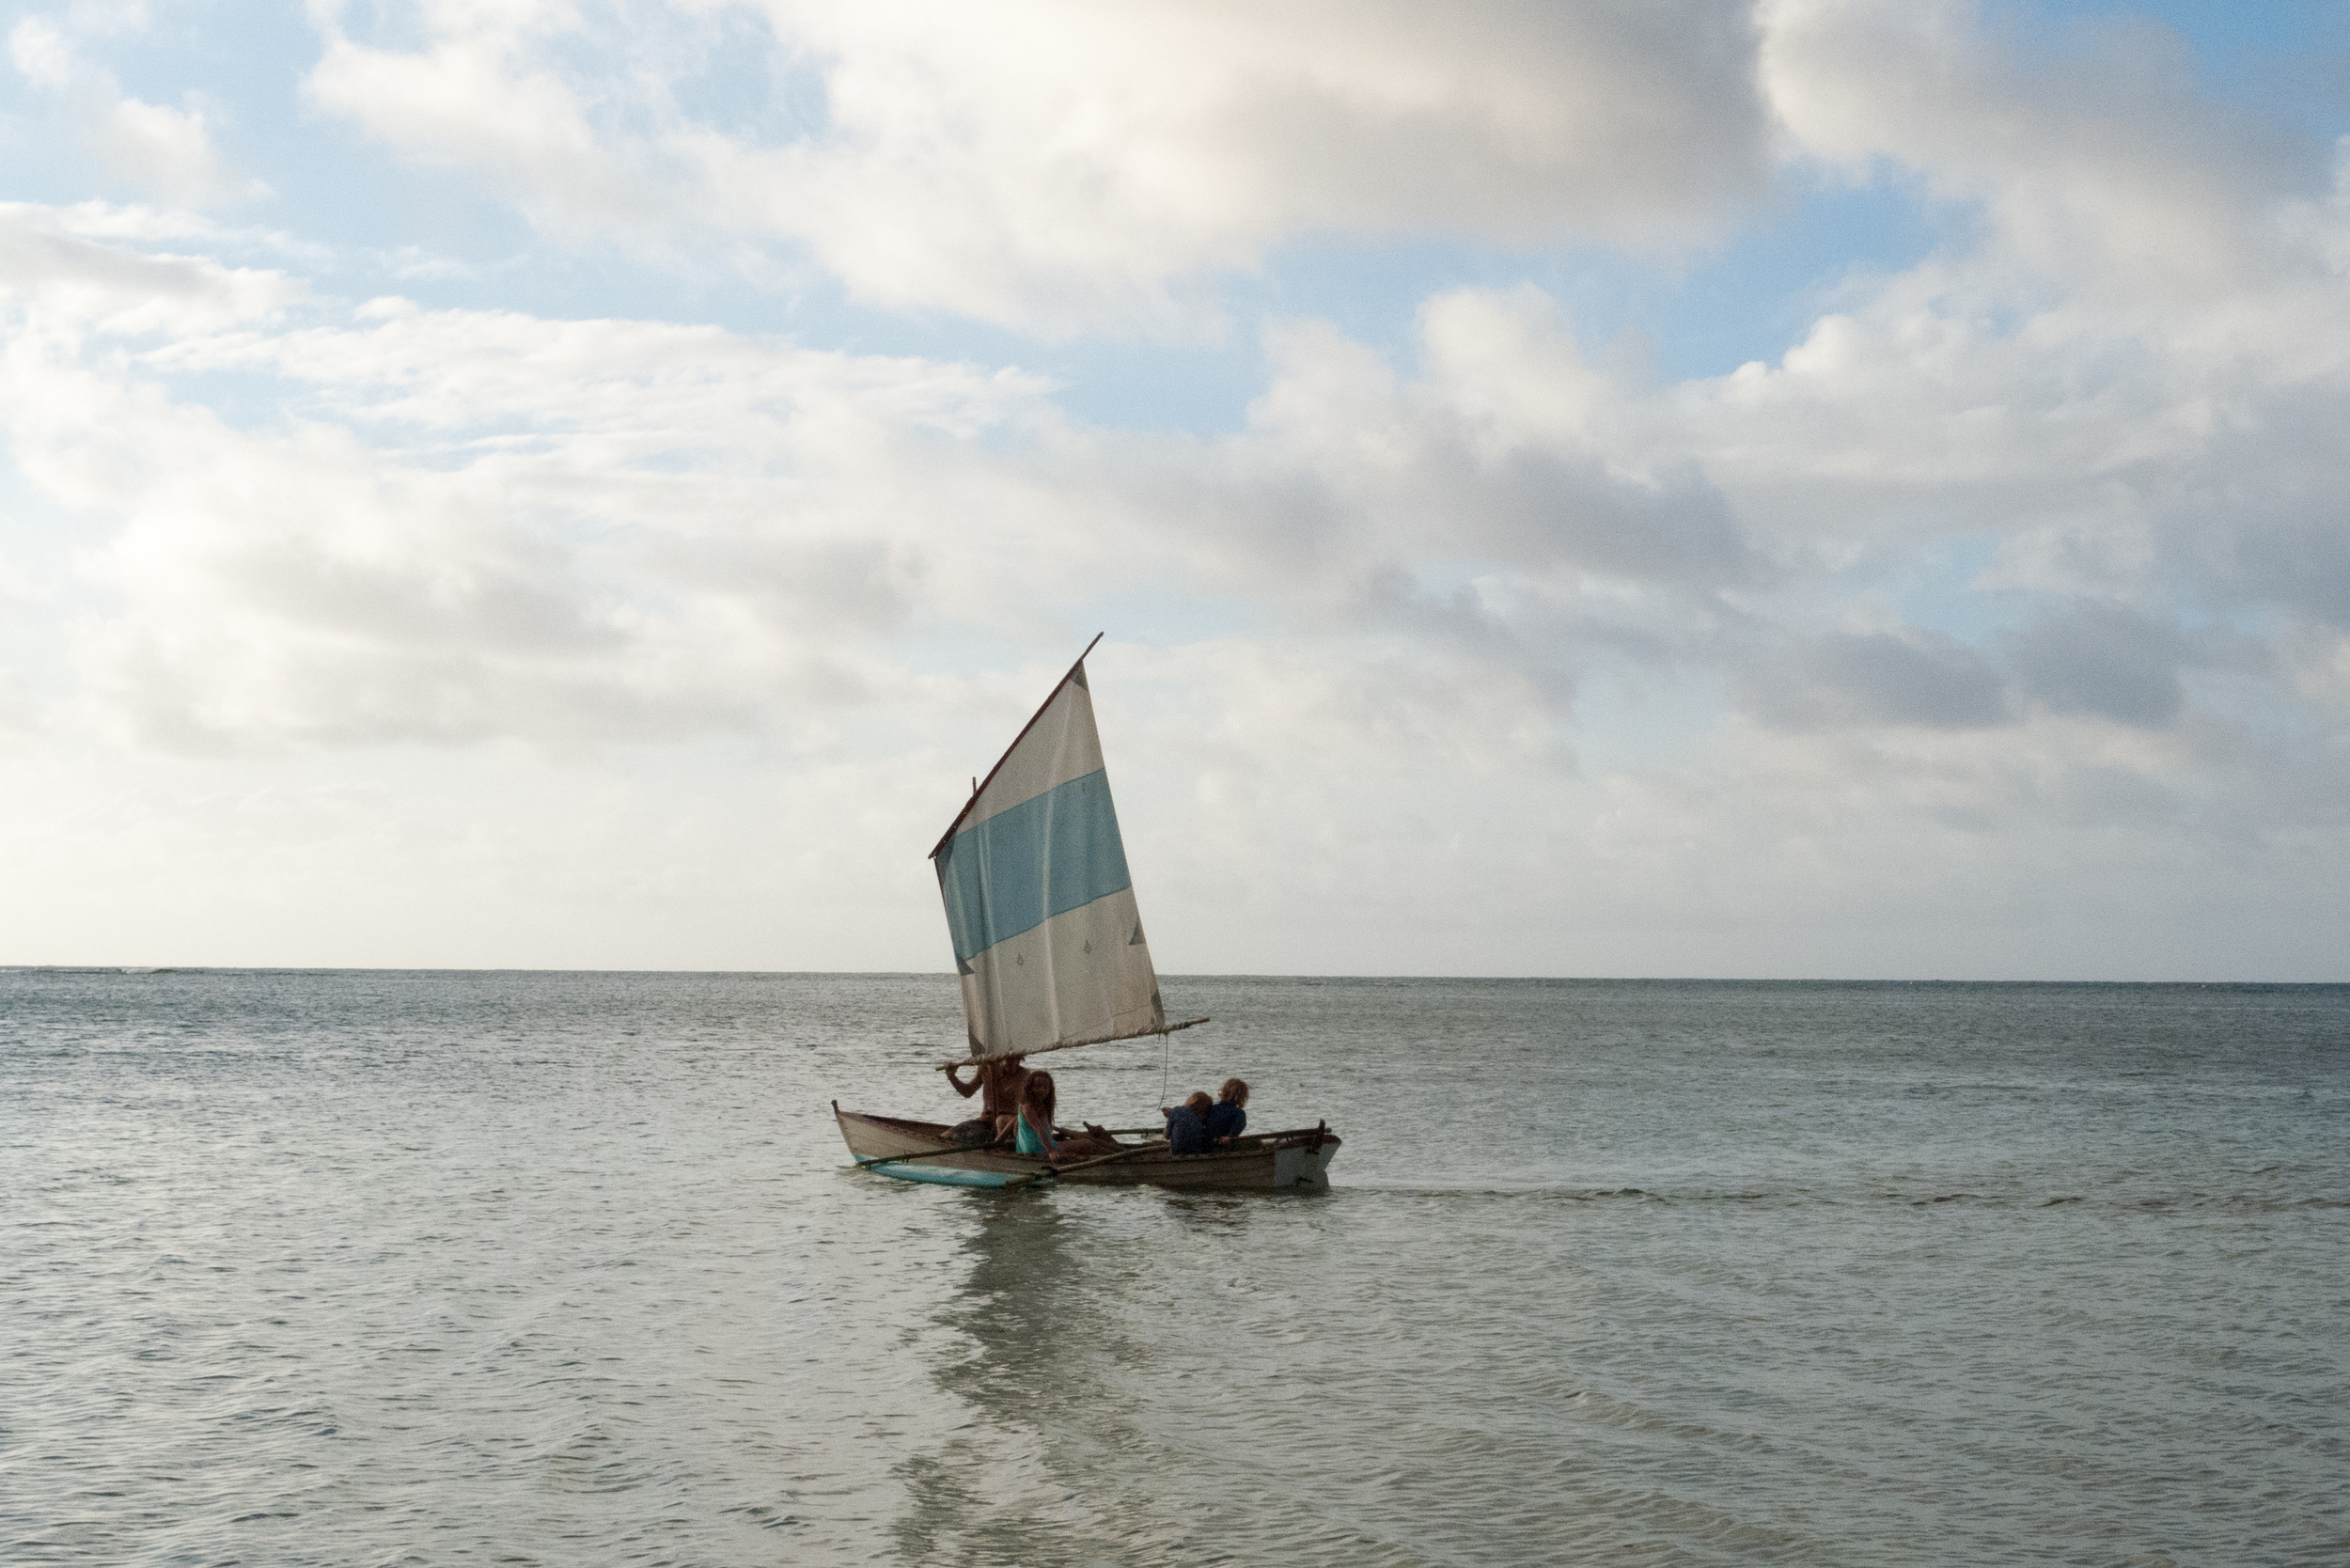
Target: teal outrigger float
{"points": [[1048, 944]]}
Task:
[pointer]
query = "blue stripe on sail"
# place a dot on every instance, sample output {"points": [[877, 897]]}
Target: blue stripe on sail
{"points": [[1050, 854]]}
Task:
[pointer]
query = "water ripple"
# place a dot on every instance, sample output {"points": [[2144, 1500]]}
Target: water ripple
{"points": [[567, 1269]]}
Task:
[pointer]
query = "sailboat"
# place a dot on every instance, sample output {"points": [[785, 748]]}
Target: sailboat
{"points": [[1048, 944]]}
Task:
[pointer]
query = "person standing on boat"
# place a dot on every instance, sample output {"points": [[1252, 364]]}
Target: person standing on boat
{"points": [[1227, 1117], [1002, 1078]]}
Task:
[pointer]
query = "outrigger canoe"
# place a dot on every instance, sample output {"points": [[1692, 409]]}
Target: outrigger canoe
{"points": [[924, 1152], [1049, 948]]}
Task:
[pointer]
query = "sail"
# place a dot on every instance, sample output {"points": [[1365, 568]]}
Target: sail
{"points": [[1039, 902]]}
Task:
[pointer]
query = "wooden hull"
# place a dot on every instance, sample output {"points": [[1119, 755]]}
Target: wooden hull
{"points": [[1274, 1162]]}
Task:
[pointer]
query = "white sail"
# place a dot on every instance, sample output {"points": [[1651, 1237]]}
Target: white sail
{"points": [[1038, 902]]}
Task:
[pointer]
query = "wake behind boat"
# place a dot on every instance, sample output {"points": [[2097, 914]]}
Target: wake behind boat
{"points": [[1048, 944]]}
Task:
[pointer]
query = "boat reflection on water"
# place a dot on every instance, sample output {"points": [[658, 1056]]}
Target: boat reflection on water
{"points": [[1028, 1312], [1067, 1372], [1023, 1326]]}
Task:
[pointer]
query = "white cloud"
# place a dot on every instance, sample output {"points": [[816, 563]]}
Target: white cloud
{"points": [[469, 524], [473, 525], [1062, 166], [169, 153], [153, 149], [2010, 602], [64, 281], [41, 53], [596, 529], [2105, 179]]}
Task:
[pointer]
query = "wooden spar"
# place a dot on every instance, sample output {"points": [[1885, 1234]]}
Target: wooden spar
{"points": [[1081, 1164], [1071, 1045], [1158, 1145], [979, 785], [925, 1154]]}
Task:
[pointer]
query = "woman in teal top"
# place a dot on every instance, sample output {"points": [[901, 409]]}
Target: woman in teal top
{"points": [[1036, 1116], [1036, 1135]]}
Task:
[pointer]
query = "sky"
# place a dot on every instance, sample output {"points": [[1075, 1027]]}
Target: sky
{"points": [[1809, 490]]}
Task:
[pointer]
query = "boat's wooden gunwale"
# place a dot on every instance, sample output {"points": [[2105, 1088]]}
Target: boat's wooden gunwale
{"points": [[1257, 1167]]}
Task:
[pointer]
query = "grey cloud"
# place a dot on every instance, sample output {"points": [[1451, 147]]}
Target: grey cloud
{"points": [[2303, 562], [537, 642], [1104, 179], [2100, 156], [1543, 507], [2103, 659], [217, 701], [831, 588], [1491, 458], [530, 602], [2256, 517], [1256, 521], [130, 291], [1559, 115], [1846, 680], [1305, 526], [1547, 653]]}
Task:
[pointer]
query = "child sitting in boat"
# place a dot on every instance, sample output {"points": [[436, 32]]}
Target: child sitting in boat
{"points": [[1187, 1125], [1035, 1117], [1225, 1117], [1037, 1136]]}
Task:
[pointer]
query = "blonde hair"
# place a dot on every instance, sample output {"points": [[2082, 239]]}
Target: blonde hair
{"points": [[1235, 1090]]}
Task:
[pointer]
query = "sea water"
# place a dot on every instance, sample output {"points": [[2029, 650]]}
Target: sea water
{"points": [[571, 1269]]}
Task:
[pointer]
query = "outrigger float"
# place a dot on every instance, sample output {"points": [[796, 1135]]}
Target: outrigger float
{"points": [[1048, 942]]}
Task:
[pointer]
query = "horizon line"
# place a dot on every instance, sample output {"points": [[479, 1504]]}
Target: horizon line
{"points": [[948, 975]]}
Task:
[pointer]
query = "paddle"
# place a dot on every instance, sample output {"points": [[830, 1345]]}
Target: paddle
{"points": [[1064, 1169], [925, 1154]]}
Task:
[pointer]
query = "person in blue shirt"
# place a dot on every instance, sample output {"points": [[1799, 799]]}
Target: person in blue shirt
{"points": [[1187, 1125], [1225, 1117]]}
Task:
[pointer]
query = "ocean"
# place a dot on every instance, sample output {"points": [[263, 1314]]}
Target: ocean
{"points": [[374, 1267]]}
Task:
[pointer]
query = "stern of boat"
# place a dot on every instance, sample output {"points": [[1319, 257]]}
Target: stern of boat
{"points": [[1306, 1164]]}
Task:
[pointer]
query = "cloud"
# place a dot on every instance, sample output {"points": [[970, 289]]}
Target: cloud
{"points": [[1507, 451], [2103, 659], [1063, 167], [38, 49], [1846, 680], [453, 527], [473, 99], [657, 550], [153, 149], [169, 153], [67, 282], [469, 526], [2297, 556], [2001, 617], [2096, 162]]}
